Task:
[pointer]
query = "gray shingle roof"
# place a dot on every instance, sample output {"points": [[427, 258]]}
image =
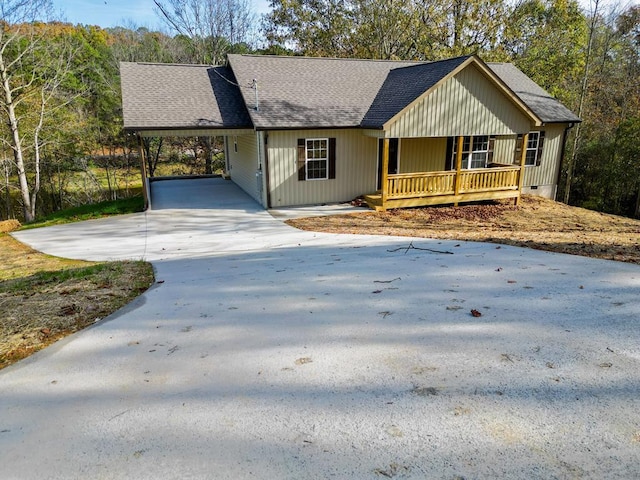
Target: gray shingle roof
{"points": [[537, 99], [403, 85], [303, 92], [169, 96], [297, 92]]}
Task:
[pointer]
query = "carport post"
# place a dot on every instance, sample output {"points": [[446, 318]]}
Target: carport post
{"points": [[146, 193]]}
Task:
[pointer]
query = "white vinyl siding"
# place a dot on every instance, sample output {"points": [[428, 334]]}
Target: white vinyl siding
{"points": [[356, 163], [466, 104], [244, 163]]}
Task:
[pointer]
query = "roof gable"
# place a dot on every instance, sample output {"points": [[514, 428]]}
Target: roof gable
{"points": [[403, 86], [465, 102]]}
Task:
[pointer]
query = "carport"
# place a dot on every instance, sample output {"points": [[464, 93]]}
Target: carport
{"points": [[180, 101]]}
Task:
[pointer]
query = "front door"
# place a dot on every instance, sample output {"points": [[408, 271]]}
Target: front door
{"points": [[393, 159]]}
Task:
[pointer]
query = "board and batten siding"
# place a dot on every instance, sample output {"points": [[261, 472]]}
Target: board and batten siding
{"points": [[543, 176], [466, 104], [356, 163], [422, 154], [504, 149], [244, 163]]}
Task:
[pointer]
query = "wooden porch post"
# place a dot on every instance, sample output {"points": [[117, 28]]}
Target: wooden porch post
{"points": [[385, 172], [143, 172], [523, 158], [460, 142]]}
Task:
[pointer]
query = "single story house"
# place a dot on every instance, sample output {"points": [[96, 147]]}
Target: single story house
{"points": [[304, 131]]}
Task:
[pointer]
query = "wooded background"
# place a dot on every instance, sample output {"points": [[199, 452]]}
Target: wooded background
{"points": [[62, 137]]}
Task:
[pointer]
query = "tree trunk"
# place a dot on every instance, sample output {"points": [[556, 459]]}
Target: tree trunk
{"points": [[16, 141], [583, 93], [36, 147], [208, 151], [152, 160], [7, 176]]}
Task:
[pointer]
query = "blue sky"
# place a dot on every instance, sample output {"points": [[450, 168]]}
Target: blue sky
{"points": [[111, 13]]}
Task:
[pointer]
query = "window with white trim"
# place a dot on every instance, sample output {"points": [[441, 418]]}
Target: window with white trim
{"points": [[476, 151], [533, 141], [317, 158]]}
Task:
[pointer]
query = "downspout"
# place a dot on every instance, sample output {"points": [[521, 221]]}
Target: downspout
{"points": [[561, 162], [266, 169], [259, 172]]}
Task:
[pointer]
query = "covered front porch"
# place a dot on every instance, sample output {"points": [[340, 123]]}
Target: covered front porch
{"points": [[458, 185]]}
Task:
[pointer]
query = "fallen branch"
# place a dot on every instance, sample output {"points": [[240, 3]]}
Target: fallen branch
{"points": [[411, 247], [387, 281]]}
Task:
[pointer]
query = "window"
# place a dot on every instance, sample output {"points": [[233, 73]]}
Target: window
{"points": [[533, 155], [316, 158], [477, 152]]}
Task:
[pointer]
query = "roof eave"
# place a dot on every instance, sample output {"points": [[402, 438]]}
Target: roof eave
{"points": [[566, 120], [262, 128], [166, 130]]}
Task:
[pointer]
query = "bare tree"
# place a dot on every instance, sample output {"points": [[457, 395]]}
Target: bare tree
{"points": [[213, 27], [583, 93], [32, 71]]}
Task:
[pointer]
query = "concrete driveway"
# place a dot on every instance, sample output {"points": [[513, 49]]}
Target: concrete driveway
{"points": [[278, 354]]}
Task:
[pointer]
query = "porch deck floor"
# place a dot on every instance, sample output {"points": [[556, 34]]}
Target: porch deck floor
{"points": [[374, 200]]}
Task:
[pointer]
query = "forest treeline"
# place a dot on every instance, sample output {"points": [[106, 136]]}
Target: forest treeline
{"points": [[60, 88]]}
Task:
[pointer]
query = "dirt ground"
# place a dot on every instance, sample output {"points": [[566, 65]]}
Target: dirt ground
{"points": [[537, 223], [45, 298]]}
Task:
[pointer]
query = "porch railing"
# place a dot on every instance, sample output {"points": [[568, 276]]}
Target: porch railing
{"points": [[423, 184], [404, 185], [489, 179]]}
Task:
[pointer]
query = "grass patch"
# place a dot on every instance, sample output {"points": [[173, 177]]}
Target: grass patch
{"points": [[44, 298], [55, 276], [88, 212]]}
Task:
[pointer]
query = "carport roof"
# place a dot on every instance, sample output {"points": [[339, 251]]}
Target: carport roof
{"points": [[170, 96]]}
